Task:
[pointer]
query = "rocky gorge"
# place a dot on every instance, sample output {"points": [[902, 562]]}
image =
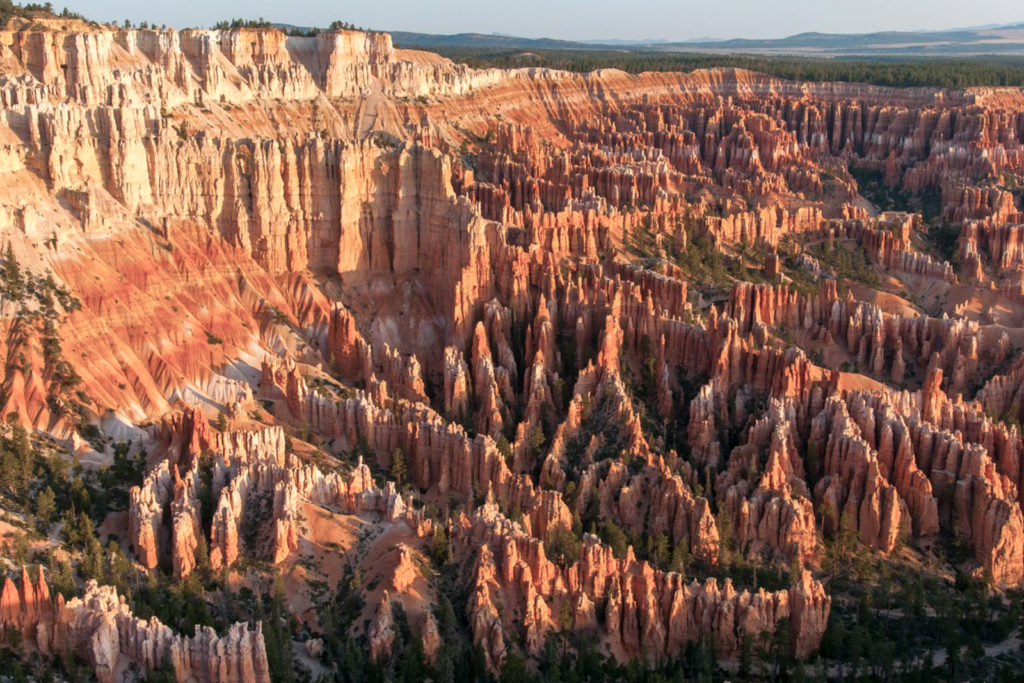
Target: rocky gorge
{"points": [[628, 356]]}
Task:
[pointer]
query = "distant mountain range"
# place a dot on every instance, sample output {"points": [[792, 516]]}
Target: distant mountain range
{"points": [[988, 40], [484, 40]]}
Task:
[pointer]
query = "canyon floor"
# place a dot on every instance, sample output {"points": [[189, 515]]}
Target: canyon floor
{"points": [[328, 360]]}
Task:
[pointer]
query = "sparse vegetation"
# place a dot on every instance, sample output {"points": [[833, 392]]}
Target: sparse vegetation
{"points": [[586, 445], [30, 10], [847, 261], [236, 24]]}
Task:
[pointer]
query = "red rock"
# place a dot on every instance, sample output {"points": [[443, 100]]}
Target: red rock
{"points": [[101, 630], [280, 176], [635, 621]]}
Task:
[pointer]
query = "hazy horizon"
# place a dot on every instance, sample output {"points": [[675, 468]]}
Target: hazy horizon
{"points": [[581, 21]]}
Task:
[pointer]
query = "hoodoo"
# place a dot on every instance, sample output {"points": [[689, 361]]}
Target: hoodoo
{"points": [[326, 358]]}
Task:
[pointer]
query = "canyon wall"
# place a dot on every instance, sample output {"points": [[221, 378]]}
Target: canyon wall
{"points": [[405, 286]]}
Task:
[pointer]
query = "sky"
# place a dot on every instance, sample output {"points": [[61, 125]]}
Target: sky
{"points": [[578, 19]]}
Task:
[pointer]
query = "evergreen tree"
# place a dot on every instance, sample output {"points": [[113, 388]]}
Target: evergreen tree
{"points": [[513, 669], [14, 281], [277, 639], [398, 468], [16, 461], [46, 508]]}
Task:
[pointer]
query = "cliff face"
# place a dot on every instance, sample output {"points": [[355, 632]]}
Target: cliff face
{"points": [[169, 143], [408, 286], [122, 66]]}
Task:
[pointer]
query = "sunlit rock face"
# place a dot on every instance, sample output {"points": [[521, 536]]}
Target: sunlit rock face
{"points": [[596, 332]]}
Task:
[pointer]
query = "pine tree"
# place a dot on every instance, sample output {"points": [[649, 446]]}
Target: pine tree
{"points": [[277, 638], [91, 565], [14, 282], [398, 468], [616, 538], [46, 507], [16, 461]]}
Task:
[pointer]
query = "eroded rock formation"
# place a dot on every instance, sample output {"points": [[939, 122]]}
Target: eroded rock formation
{"points": [[404, 286], [100, 628]]}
